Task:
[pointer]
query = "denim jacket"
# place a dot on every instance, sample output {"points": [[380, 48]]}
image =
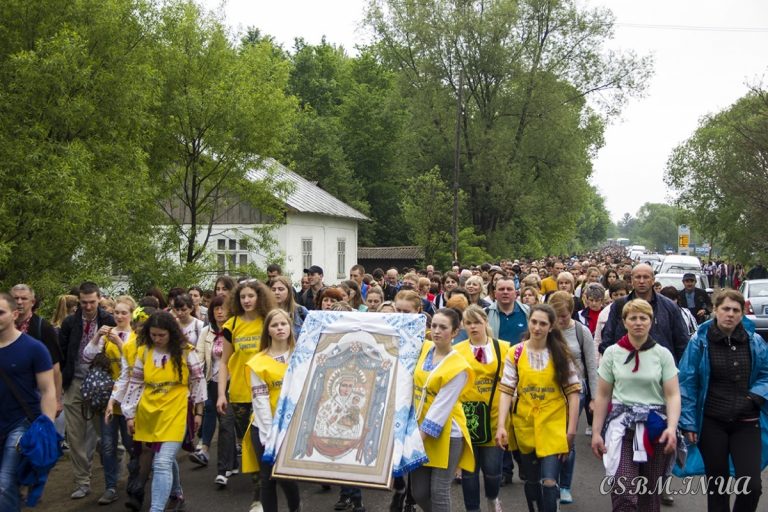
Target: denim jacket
{"points": [[694, 384]]}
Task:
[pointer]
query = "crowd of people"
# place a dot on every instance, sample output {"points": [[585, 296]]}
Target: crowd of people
{"points": [[514, 353]]}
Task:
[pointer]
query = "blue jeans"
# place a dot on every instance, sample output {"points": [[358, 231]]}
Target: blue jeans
{"points": [[566, 471], [210, 416], [488, 459], [163, 474], [537, 470], [109, 432], [9, 485]]}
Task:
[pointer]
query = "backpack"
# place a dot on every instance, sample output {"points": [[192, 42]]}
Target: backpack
{"points": [[97, 386]]}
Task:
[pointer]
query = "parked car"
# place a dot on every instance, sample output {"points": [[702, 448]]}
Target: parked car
{"points": [[755, 293], [677, 264], [676, 280]]}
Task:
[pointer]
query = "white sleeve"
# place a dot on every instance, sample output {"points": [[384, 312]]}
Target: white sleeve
{"points": [[262, 409], [441, 408], [92, 349], [121, 384], [134, 389], [198, 389]]}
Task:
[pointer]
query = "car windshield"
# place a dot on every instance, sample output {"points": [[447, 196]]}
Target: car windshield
{"points": [[758, 290]]}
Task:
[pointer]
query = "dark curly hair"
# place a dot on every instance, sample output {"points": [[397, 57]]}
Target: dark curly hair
{"points": [[177, 341], [265, 299]]}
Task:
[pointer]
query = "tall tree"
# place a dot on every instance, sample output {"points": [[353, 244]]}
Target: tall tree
{"points": [[75, 87], [222, 108], [721, 174], [527, 130]]}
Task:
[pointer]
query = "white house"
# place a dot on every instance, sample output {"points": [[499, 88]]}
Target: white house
{"points": [[318, 229]]}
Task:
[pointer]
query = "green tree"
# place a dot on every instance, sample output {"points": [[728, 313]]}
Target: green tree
{"points": [[657, 226], [430, 227], [721, 175], [222, 108], [524, 71], [75, 87]]}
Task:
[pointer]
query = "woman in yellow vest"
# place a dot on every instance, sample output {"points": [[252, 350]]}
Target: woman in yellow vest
{"points": [[440, 378], [166, 376], [541, 373], [110, 343], [249, 304], [267, 370], [485, 356], [140, 464]]}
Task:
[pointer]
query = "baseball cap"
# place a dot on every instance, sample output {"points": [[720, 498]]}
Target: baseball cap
{"points": [[689, 277], [314, 269]]}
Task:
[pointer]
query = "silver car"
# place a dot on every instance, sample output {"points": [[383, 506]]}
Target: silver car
{"points": [[676, 280], [756, 294]]}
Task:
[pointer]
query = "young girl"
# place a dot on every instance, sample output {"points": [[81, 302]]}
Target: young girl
{"points": [[249, 304], [354, 297], [267, 370], [485, 356], [184, 308], [544, 420], [440, 378], [284, 295], [374, 298], [210, 349], [110, 342], [166, 377]]}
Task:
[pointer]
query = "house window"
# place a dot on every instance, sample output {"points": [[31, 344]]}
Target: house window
{"points": [[306, 252], [341, 257], [231, 254]]}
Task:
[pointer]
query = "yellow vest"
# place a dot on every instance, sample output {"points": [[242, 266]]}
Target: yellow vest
{"points": [[437, 448], [115, 364], [162, 412], [271, 372], [245, 344], [539, 419], [480, 391]]}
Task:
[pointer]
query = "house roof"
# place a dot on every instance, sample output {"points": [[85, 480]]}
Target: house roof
{"points": [[403, 252], [306, 197]]}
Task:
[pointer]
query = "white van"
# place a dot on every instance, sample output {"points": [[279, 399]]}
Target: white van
{"points": [[636, 251], [677, 264]]}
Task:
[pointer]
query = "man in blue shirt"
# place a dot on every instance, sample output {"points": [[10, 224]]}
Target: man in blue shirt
{"points": [[507, 317], [27, 372]]}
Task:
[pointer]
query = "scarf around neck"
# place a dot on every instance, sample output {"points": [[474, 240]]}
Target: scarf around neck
{"points": [[633, 352]]}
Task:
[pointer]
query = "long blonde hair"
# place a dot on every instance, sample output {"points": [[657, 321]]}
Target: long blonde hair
{"points": [[63, 304], [266, 339], [475, 313]]}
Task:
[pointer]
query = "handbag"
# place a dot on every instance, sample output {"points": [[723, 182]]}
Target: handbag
{"points": [[478, 414]]}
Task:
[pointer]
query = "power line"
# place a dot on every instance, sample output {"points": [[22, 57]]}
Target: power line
{"points": [[695, 28]]}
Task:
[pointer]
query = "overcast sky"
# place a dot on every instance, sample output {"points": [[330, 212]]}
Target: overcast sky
{"points": [[704, 61]]}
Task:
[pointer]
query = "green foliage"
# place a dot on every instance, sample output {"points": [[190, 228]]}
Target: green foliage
{"points": [[524, 71], [721, 176], [221, 108], [75, 87]]}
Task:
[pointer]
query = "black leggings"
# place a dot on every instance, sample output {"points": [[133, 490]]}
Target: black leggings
{"points": [[742, 441], [269, 484]]}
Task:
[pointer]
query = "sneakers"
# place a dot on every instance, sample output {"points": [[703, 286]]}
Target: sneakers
{"points": [[256, 507], [81, 492], [109, 496], [344, 503], [234, 472], [199, 457], [565, 496], [221, 480], [494, 505], [357, 506], [588, 431]]}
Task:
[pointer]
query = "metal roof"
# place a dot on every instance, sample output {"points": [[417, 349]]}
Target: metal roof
{"points": [[403, 252], [305, 197]]}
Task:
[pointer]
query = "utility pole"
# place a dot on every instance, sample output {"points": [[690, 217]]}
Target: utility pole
{"points": [[456, 170]]}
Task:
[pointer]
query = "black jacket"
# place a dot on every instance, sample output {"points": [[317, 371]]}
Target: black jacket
{"points": [[668, 327], [701, 301], [41, 329], [69, 340]]}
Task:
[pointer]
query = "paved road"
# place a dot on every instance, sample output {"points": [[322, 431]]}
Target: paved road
{"points": [[202, 494]]}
